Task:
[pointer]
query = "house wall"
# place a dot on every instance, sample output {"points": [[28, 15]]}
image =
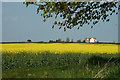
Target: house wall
{"points": [[90, 40]]}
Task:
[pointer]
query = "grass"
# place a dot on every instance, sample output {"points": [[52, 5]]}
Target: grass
{"points": [[68, 65]]}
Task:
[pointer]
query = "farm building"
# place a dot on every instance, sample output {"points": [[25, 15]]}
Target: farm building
{"points": [[90, 40]]}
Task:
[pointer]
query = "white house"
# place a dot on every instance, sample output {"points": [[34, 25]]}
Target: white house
{"points": [[90, 40]]}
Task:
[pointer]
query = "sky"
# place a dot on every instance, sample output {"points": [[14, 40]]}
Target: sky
{"points": [[20, 23]]}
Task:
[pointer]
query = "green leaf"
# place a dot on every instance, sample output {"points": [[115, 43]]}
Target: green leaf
{"points": [[108, 20], [58, 22], [113, 11], [23, 2], [55, 16], [60, 15], [64, 29], [60, 27], [38, 10], [91, 26], [53, 26], [44, 20], [55, 22]]}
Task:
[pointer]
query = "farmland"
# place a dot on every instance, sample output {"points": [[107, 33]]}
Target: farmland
{"points": [[60, 48], [60, 60]]}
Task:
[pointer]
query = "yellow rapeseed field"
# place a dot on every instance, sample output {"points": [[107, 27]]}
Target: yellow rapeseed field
{"points": [[59, 48]]}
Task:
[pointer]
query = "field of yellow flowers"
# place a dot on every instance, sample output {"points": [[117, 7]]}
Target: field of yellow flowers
{"points": [[59, 48]]}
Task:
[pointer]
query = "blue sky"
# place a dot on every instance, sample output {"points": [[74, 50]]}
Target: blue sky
{"points": [[20, 23]]}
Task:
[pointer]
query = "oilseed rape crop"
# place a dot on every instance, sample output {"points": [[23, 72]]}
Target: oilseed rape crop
{"points": [[59, 48]]}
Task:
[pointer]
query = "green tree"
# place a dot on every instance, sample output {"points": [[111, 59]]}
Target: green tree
{"points": [[79, 40], [76, 14], [97, 41], [72, 40], [67, 39], [59, 40], [29, 40], [51, 41], [83, 41]]}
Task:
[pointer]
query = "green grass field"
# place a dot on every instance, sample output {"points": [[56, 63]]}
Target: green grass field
{"points": [[69, 65]]}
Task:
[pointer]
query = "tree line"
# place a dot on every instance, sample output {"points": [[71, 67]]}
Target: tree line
{"points": [[59, 40]]}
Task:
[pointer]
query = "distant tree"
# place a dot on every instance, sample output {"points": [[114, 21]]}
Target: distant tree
{"points": [[83, 41], [67, 39], [51, 41], [59, 40], [41, 41], [29, 40], [113, 41], [97, 41], [72, 40], [79, 40]]}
